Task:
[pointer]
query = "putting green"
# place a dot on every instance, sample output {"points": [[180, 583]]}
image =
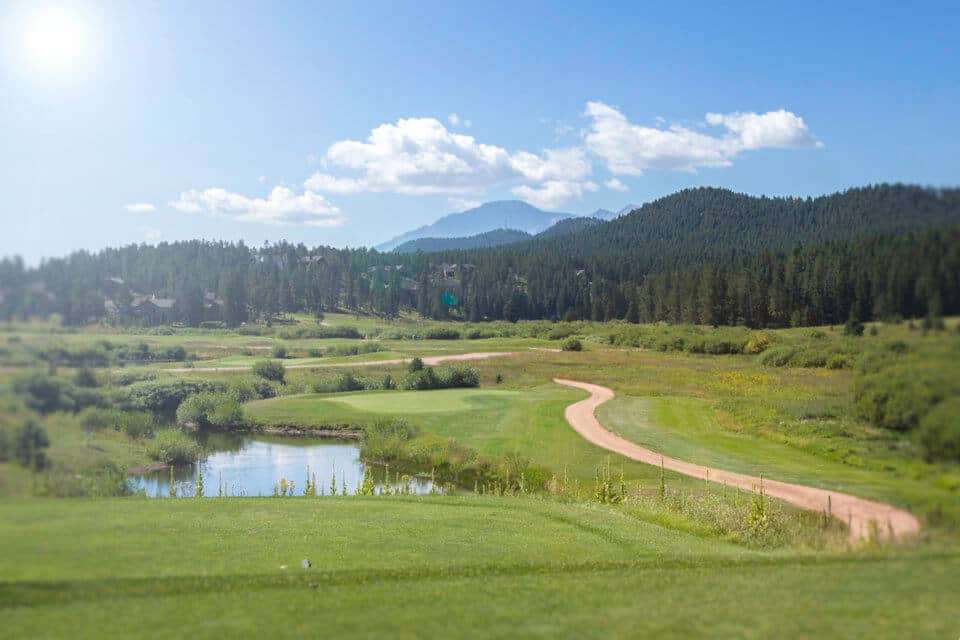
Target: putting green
{"points": [[439, 401], [358, 408]]}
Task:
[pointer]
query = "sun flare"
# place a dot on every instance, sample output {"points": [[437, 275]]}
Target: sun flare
{"points": [[56, 39]]}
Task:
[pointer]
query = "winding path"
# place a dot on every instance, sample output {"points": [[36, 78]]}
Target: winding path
{"points": [[427, 360], [862, 516]]}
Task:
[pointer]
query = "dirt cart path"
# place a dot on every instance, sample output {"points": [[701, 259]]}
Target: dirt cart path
{"points": [[862, 516]]}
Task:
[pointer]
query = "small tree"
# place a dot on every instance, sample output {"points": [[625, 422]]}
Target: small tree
{"points": [[415, 365], [84, 377], [30, 445], [270, 370], [853, 327]]}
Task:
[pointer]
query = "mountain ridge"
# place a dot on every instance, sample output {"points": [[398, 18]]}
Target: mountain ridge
{"points": [[497, 214]]}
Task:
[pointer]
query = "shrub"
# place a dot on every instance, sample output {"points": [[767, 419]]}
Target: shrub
{"points": [[853, 328], [136, 424], [560, 332], [84, 377], [315, 353], [270, 370], [221, 410], [172, 446], [126, 378], [355, 349], [810, 358], [226, 412], [571, 344], [897, 396], [478, 334], [320, 331], [195, 410], [458, 376], [721, 347], [95, 419], [44, 393], [838, 361], [415, 365], [420, 380], [29, 445], [348, 382], [164, 396], [441, 333], [279, 352], [253, 330], [245, 389], [759, 342], [777, 356], [939, 431], [172, 354], [385, 440]]}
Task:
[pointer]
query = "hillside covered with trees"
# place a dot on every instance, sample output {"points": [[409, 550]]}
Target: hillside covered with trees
{"points": [[701, 255]]}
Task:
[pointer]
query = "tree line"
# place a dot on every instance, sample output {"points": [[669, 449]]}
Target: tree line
{"points": [[702, 255]]}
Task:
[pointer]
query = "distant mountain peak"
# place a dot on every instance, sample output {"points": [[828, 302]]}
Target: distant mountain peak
{"points": [[489, 216]]}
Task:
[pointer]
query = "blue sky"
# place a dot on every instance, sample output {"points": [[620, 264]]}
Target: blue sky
{"points": [[331, 124]]}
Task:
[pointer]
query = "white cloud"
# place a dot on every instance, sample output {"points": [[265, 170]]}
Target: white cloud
{"points": [[773, 129], [140, 207], [453, 119], [552, 193], [152, 235], [462, 204], [614, 184], [331, 184], [281, 206], [631, 149], [420, 156]]}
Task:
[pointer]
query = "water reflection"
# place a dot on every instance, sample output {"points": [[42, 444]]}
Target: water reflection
{"points": [[256, 465]]}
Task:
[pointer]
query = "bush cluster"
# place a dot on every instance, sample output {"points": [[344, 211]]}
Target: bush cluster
{"points": [[571, 344], [441, 333], [343, 350], [449, 377], [162, 397], [26, 444], [219, 410], [172, 446], [45, 393], [270, 370], [301, 332], [136, 424]]}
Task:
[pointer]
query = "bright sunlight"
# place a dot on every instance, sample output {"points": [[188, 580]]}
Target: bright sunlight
{"points": [[56, 39]]}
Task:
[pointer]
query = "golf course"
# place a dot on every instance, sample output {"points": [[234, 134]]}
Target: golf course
{"points": [[560, 486]]}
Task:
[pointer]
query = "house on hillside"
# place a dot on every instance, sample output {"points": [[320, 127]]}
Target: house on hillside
{"points": [[212, 306], [154, 310]]}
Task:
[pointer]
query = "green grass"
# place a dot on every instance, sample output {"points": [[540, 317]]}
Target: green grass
{"points": [[73, 451], [426, 567]]}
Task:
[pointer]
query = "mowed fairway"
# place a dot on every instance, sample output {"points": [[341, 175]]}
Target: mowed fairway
{"points": [[424, 567], [439, 401]]}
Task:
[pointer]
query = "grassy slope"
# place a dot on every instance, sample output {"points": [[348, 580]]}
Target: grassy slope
{"points": [[468, 567], [494, 422]]}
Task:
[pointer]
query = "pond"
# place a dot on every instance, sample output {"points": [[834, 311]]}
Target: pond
{"points": [[254, 465]]}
